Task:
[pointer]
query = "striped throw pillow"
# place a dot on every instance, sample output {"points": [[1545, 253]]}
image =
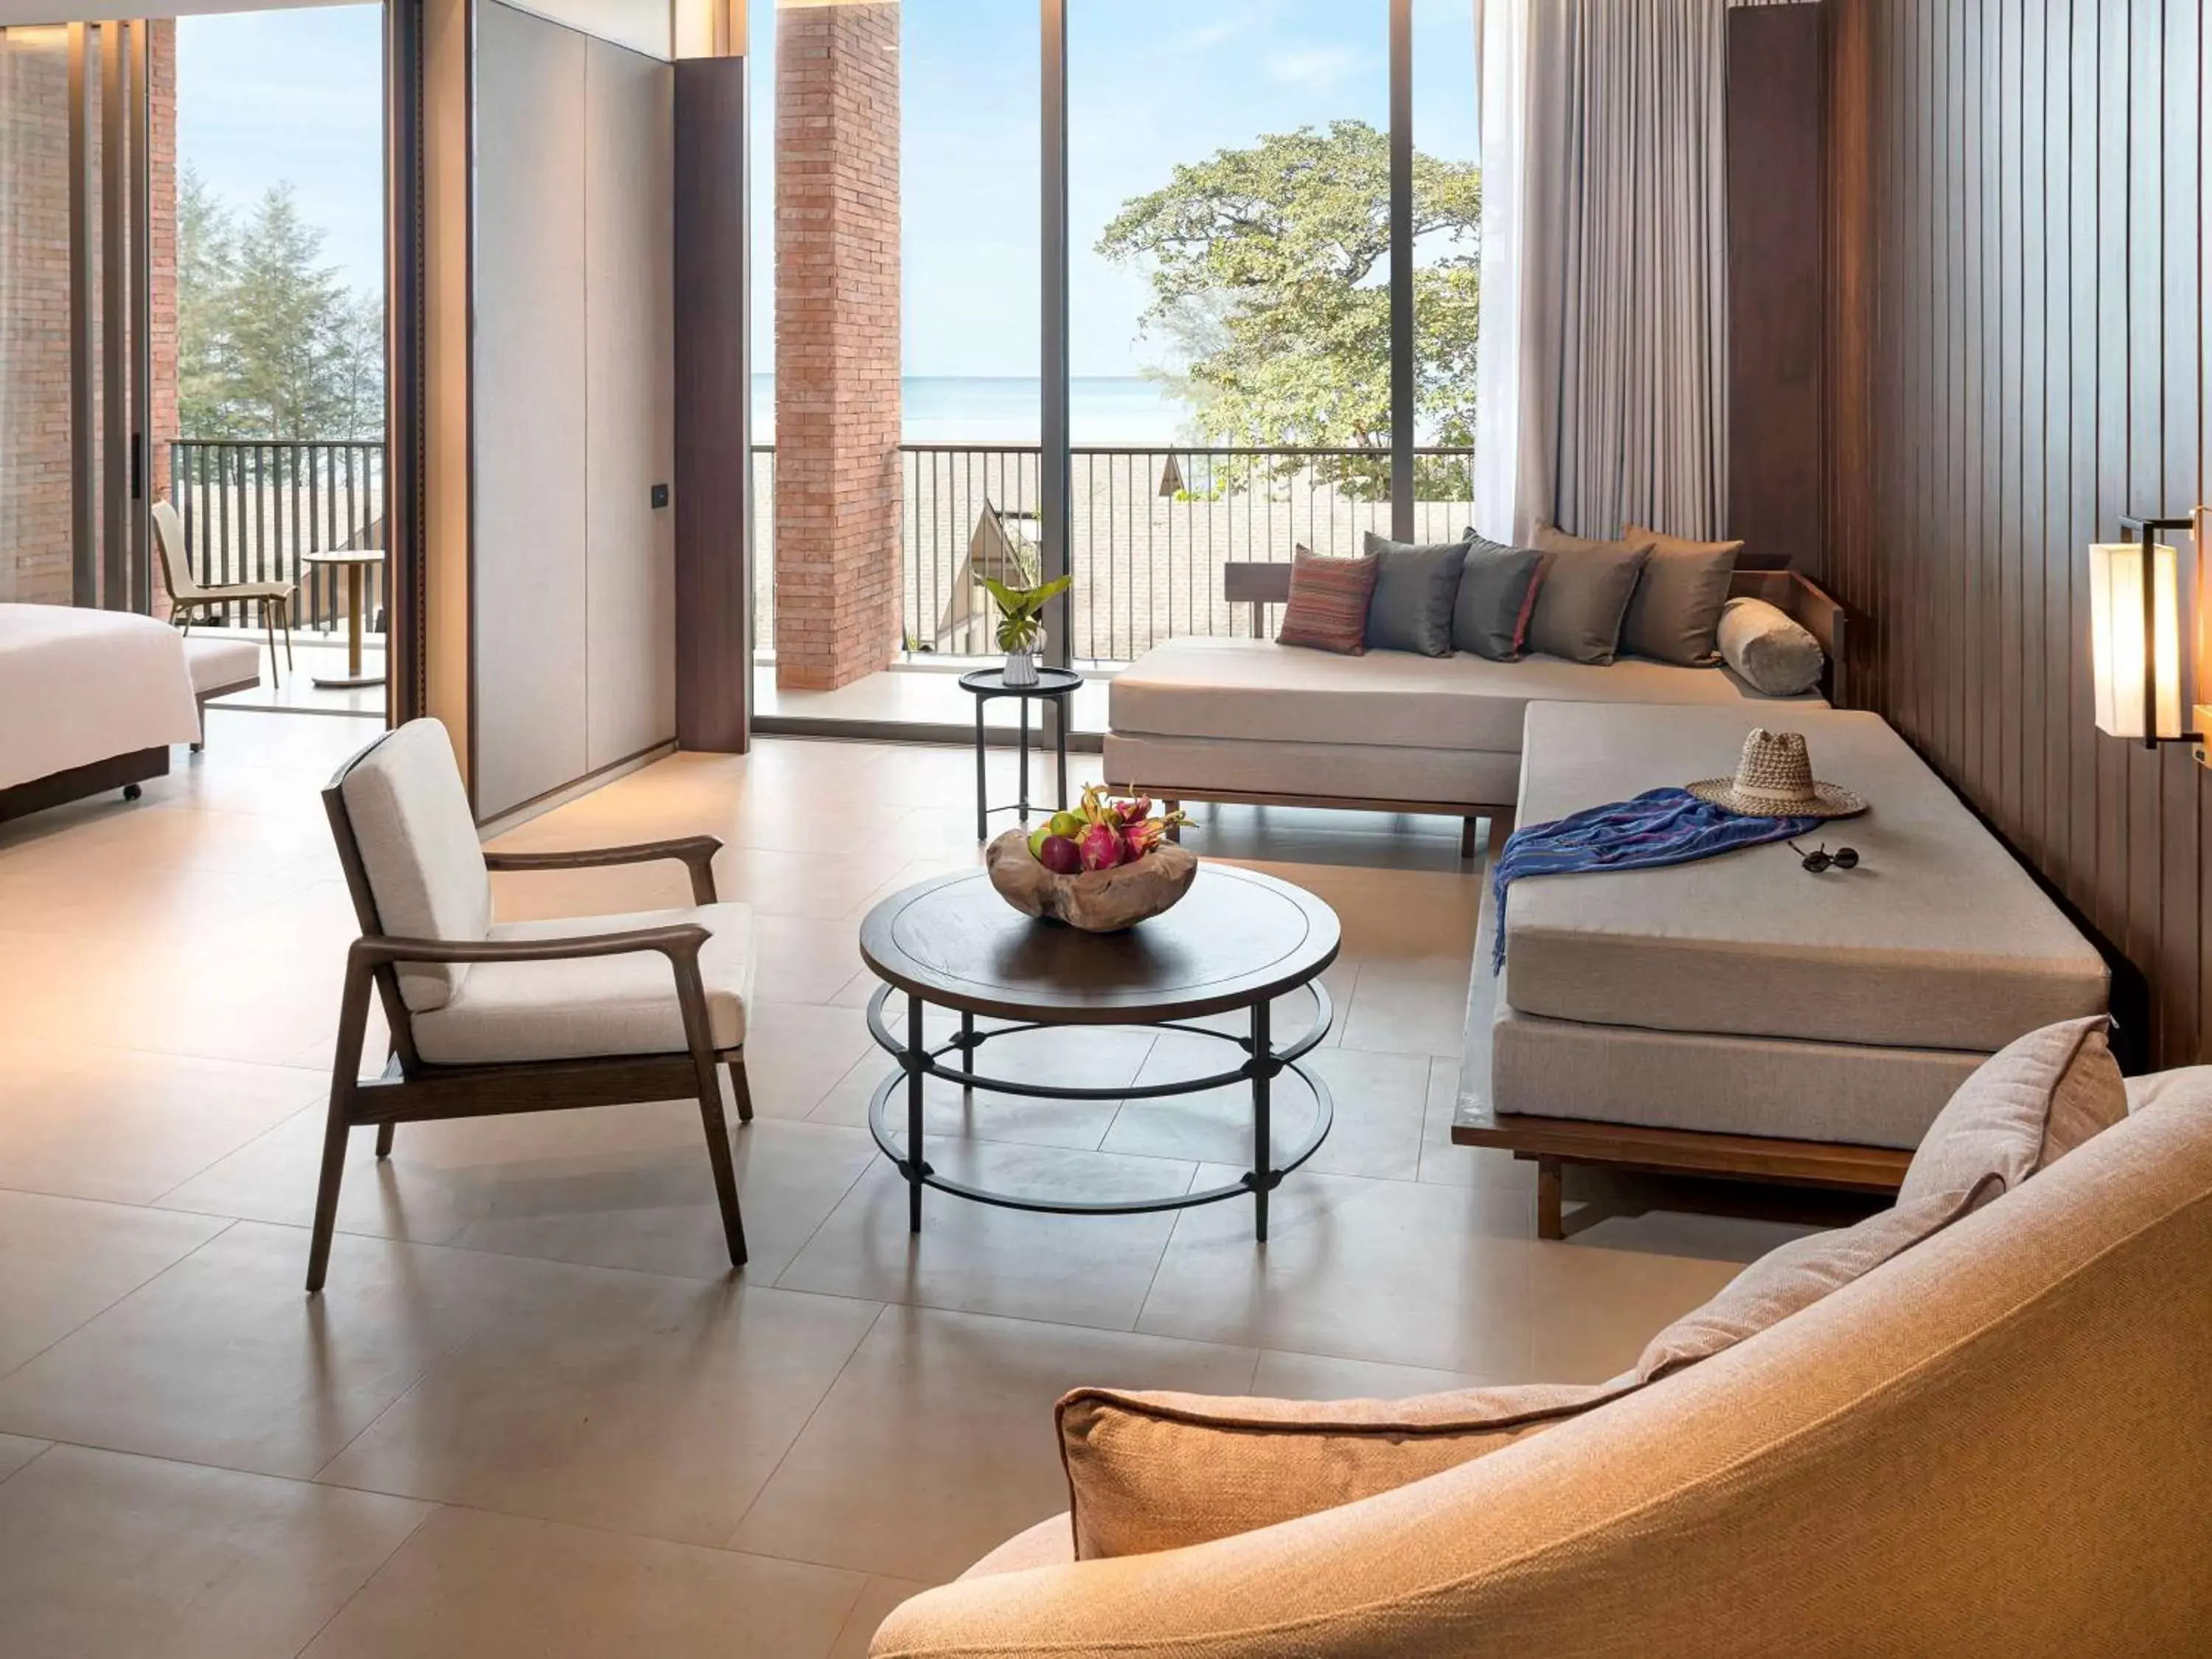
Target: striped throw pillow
{"points": [[1328, 610]]}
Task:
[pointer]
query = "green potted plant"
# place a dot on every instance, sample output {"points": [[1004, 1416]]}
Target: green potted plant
{"points": [[1021, 622]]}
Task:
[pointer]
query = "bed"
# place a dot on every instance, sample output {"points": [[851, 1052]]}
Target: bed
{"points": [[89, 701]]}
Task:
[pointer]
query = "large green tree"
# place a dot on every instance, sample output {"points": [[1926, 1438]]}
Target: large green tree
{"points": [[271, 343], [1269, 268]]}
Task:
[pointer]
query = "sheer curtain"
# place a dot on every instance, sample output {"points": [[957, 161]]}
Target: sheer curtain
{"points": [[1602, 370]]}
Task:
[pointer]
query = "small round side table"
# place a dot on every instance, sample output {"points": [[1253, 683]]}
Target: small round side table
{"points": [[986, 686]]}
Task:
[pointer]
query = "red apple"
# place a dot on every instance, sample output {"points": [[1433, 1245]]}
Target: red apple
{"points": [[1059, 854]]}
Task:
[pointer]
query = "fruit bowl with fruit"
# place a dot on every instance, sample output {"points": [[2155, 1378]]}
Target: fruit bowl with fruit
{"points": [[1103, 868]]}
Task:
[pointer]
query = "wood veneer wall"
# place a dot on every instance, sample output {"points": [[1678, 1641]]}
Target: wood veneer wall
{"points": [[2017, 333]]}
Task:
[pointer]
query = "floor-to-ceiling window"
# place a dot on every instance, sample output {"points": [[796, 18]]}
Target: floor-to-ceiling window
{"points": [[1232, 368]]}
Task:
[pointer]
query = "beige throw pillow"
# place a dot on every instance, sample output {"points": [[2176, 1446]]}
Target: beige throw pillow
{"points": [[1155, 1471], [1795, 1277], [2028, 1105]]}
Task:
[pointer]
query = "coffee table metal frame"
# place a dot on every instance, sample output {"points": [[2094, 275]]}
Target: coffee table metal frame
{"points": [[1263, 1063]]}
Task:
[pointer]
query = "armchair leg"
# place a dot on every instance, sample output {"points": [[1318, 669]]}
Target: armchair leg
{"points": [[326, 1191], [740, 1090], [726, 1176], [384, 1139], [285, 619]]}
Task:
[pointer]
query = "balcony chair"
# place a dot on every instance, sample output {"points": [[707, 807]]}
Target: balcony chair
{"points": [[489, 1018], [187, 597]]}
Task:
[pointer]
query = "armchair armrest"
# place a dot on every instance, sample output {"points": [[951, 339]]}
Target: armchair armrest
{"points": [[695, 853], [680, 943]]}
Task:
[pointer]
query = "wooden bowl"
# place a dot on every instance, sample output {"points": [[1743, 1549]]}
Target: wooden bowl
{"points": [[1097, 900]]}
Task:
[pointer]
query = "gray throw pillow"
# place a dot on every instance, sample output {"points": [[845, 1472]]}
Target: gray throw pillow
{"points": [[1497, 591], [1775, 654], [1676, 612], [1583, 595], [1414, 588]]}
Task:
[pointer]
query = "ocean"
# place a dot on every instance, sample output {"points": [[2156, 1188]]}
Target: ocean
{"points": [[988, 409]]}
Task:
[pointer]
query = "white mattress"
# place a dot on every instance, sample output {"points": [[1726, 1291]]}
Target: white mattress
{"points": [[78, 686]]}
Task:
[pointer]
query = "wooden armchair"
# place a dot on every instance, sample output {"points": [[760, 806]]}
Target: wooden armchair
{"points": [[489, 1018], [187, 598]]}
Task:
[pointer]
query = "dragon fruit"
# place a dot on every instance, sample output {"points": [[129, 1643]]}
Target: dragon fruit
{"points": [[1136, 811], [1101, 846], [1059, 854]]}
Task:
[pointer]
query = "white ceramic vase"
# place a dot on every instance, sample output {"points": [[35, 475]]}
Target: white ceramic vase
{"points": [[1021, 668]]}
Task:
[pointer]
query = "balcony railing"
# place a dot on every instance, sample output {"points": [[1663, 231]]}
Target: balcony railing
{"points": [[252, 507], [1153, 526]]}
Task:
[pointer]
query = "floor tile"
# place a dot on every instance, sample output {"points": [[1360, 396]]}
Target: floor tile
{"points": [[63, 1260], [106, 1554], [980, 1258], [473, 1586], [937, 1444], [222, 1359], [796, 1052], [1312, 1376], [1596, 1308], [1450, 1165], [657, 1409], [15, 1452], [1069, 1057], [1378, 1101], [1408, 1008], [115, 1124], [1384, 1270], [877, 1599]]}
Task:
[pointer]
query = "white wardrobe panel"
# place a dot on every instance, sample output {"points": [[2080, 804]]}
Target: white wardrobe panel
{"points": [[529, 422], [630, 299]]}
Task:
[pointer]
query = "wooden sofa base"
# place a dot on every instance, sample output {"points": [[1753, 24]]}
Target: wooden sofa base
{"points": [[123, 772], [1552, 1143], [1469, 813]]}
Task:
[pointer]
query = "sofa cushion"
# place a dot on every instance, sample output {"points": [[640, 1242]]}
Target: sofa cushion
{"points": [[418, 844], [1789, 1280], [1785, 1088], [1156, 1471], [577, 1010], [1414, 588], [2027, 1106], [1581, 595], [1939, 940], [2188, 1085], [1328, 608], [1254, 689], [1769, 648], [1674, 615]]}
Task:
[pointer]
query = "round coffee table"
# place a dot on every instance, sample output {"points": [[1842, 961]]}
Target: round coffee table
{"points": [[1236, 941]]}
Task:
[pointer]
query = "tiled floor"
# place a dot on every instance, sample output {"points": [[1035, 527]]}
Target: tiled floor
{"points": [[533, 1414]]}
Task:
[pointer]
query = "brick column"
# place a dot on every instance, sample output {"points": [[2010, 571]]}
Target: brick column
{"points": [[837, 479]]}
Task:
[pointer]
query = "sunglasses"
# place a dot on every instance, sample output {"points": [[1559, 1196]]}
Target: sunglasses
{"points": [[1843, 858]]}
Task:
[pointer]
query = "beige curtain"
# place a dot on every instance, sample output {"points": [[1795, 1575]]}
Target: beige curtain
{"points": [[1603, 369]]}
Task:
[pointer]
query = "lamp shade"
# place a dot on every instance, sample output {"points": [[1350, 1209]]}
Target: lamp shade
{"points": [[2124, 638]]}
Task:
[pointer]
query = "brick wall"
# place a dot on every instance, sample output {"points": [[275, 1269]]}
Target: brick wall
{"points": [[34, 363], [837, 493], [35, 248]]}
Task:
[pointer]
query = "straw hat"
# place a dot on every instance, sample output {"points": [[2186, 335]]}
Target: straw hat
{"points": [[1774, 779]]}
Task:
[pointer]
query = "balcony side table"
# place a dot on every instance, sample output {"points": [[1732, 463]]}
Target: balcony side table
{"points": [[987, 685], [354, 560]]}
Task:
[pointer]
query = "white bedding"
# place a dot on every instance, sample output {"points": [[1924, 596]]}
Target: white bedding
{"points": [[78, 686]]}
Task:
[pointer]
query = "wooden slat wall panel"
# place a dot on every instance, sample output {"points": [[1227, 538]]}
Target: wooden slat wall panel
{"points": [[2017, 321]]}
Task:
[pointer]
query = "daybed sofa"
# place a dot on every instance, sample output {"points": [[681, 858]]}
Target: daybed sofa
{"points": [[1248, 720], [1998, 1441]]}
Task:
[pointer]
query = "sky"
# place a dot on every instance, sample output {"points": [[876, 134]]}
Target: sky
{"points": [[294, 95]]}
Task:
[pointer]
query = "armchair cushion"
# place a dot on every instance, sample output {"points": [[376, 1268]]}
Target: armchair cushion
{"points": [[2028, 1105], [1156, 1471], [584, 1010], [418, 846]]}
